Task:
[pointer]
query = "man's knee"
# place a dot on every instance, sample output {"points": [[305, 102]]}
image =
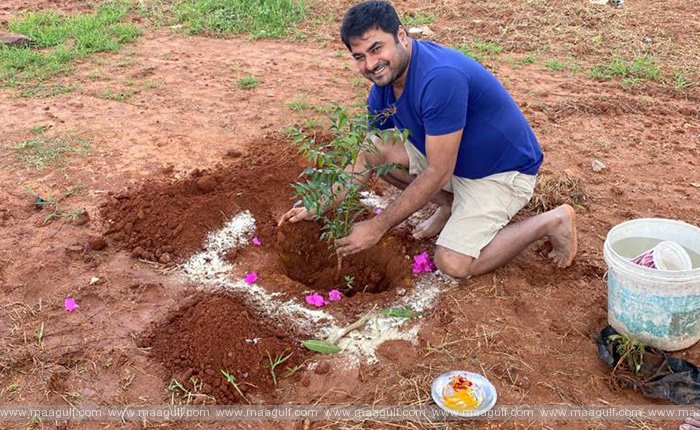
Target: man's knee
{"points": [[453, 263]]}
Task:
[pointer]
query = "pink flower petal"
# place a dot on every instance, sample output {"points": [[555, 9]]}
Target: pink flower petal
{"points": [[251, 277], [378, 211], [70, 304], [255, 241], [334, 295], [422, 263], [316, 299]]}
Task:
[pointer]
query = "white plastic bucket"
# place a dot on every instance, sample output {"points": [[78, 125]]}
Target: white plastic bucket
{"points": [[660, 308]]}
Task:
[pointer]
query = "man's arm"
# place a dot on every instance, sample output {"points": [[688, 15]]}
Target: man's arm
{"points": [[441, 153]]}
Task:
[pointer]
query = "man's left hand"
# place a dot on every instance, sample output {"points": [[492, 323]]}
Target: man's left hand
{"points": [[363, 235]]}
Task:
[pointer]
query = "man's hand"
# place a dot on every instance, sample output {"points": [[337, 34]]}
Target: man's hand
{"points": [[363, 235], [296, 214]]}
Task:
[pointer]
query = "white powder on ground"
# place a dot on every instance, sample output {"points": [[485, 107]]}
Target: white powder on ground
{"points": [[369, 198], [209, 268]]}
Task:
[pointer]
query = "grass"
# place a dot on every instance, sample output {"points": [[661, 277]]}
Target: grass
{"points": [[480, 50], [557, 189], [555, 65], [118, 96], [299, 104], [39, 129], [56, 211], [636, 70], [232, 380], [260, 18], [188, 396], [559, 65], [58, 40], [41, 151], [681, 81], [248, 82], [276, 362], [528, 59], [418, 19], [46, 90]]}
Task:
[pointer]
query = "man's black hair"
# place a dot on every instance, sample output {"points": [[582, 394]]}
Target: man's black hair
{"points": [[366, 16]]}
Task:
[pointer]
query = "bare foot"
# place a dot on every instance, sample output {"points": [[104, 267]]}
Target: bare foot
{"points": [[691, 424], [433, 225], [563, 239]]}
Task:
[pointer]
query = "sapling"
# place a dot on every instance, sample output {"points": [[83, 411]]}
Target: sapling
{"points": [[333, 182], [630, 350]]}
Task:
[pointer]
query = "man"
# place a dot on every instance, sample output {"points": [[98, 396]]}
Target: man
{"points": [[470, 150]]}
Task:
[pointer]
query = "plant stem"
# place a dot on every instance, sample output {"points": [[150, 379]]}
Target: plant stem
{"points": [[354, 326], [339, 268]]}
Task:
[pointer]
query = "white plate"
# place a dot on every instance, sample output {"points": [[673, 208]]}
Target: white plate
{"points": [[483, 391]]}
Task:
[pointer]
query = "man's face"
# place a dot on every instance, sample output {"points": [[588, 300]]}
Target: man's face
{"points": [[379, 57]]}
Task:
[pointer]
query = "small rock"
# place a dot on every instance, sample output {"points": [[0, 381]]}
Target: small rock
{"points": [[74, 249], [15, 40], [165, 258], [598, 166], [647, 40], [233, 153], [137, 252], [97, 243], [94, 280], [401, 292], [82, 219], [206, 183], [322, 368], [420, 32]]}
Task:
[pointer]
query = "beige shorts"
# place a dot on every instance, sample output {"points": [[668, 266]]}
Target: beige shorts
{"points": [[481, 207]]}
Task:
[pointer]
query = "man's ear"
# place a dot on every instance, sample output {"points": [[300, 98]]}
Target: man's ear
{"points": [[403, 36]]}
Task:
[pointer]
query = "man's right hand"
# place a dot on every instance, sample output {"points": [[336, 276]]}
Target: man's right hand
{"points": [[297, 214]]}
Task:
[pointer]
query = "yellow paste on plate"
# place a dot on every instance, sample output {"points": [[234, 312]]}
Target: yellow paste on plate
{"points": [[462, 398]]}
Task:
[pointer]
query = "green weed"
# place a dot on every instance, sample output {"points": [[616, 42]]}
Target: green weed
{"points": [[62, 39], [43, 151], [480, 50], [46, 90], [232, 380], [555, 65], [417, 19], [13, 387], [248, 82], [681, 81], [118, 96], [299, 104], [637, 70], [260, 18], [39, 129], [276, 362], [56, 209], [40, 333]]}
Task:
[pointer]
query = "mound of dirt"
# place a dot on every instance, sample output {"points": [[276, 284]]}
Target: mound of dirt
{"points": [[167, 218], [213, 334]]}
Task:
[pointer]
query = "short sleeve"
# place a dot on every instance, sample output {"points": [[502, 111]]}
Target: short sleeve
{"points": [[444, 101], [379, 113]]}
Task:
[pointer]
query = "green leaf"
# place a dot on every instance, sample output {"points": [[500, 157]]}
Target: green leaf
{"points": [[405, 312], [321, 346]]}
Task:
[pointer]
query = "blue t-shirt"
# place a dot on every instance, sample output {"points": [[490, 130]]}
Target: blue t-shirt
{"points": [[447, 91]]}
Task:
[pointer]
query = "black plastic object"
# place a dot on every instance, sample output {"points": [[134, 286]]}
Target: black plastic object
{"points": [[660, 377]]}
